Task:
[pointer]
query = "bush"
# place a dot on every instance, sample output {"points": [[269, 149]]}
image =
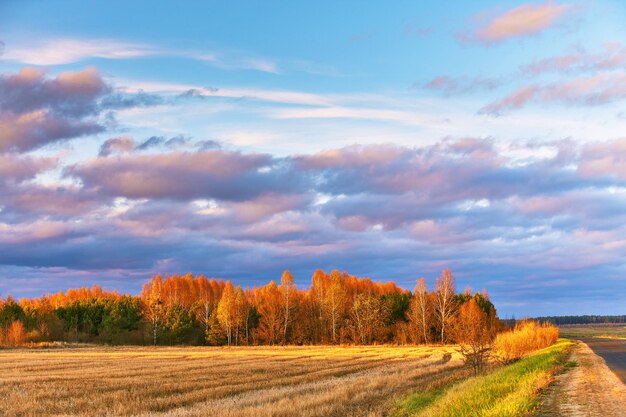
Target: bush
{"points": [[16, 334], [527, 336]]}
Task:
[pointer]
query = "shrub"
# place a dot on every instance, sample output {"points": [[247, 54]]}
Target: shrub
{"points": [[526, 337]]}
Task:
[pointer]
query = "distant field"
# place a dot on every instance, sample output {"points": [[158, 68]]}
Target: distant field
{"points": [[597, 330], [258, 381]]}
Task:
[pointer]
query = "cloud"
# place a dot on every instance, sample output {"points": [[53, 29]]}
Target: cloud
{"points": [[185, 175], [208, 144], [466, 203], [604, 159], [70, 50], [155, 141], [594, 90], [613, 56], [454, 86], [123, 100], [119, 144], [70, 93], [16, 168], [240, 61], [524, 20], [67, 51], [41, 230], [35, 129], [28, 201], [36, 110]]}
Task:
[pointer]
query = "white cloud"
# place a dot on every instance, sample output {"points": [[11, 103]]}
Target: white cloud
{"points": [[66, 51]]}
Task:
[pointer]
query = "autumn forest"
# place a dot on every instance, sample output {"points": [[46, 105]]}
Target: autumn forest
{"points": [[338, 308]]}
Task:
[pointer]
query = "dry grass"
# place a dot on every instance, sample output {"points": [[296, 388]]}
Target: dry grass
{"points": [[255, 381], [527, 336]]}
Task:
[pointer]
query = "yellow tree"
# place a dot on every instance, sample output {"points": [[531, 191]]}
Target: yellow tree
{"points": [[226, 309], [335, 301], [317, 298], [16, 334], [288, 288], [473, 330], [445, 303], [204, 302], [271, 313], [239, 312], [420, 311], [366, 315], [154, 309]]}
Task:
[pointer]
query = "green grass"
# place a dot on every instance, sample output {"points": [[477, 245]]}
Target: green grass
{"points": [[417, 402], [506, 392]]}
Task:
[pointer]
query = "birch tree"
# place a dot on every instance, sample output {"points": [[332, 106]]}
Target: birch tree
{"points": [[445, 303], [288, 288]]}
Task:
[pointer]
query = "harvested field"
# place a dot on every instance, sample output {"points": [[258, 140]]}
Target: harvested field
{"points": [[251, 381], [609, 331]]}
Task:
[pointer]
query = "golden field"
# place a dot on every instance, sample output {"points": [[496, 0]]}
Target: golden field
{"points": [[199, 381]]}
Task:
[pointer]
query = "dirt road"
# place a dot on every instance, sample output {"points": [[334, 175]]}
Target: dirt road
{"points": [[589, 389], [613, 351]]}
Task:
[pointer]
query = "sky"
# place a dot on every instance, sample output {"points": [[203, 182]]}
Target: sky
{"points": [[387, 139]]}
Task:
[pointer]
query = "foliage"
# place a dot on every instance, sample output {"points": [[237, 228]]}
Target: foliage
{"points": [[338, 308], [474, 330], [526, 337]]}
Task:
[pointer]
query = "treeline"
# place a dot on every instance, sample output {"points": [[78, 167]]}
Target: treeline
{"points": [[337, 308], [588, 319]]}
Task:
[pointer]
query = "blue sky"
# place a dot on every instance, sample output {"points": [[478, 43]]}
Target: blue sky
{"points": [[390, 140]]}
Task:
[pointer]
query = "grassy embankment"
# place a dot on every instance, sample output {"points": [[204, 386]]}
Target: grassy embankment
{"points": [[508, 391]]}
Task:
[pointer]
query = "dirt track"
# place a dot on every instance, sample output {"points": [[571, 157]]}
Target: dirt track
{"points": [[588, 390], [613, 351]]}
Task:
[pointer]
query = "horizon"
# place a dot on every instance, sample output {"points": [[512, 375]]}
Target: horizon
{"points": [[388, 141]]}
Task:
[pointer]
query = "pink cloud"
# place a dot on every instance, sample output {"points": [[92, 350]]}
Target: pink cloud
{"points": [[20, 168], [604, 159], [461, 85], [521, 21], [183, 175], [267, 205], [612, 56], [601, 88], [36, 110], [32, 231], [515, 100], [31, 130]]}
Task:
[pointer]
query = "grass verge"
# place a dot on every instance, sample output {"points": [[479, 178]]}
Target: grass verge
{"points": [[506, 392]]}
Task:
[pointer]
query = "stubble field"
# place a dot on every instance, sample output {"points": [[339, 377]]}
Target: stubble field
{"points": [[245, 381]]}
